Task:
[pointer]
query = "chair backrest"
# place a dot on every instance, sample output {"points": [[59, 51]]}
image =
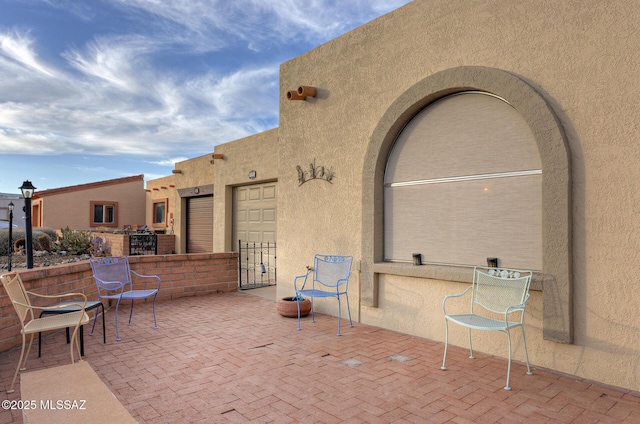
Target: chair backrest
{"points": [[496, 289], [15, 290], [110, 269], [332, 271]]}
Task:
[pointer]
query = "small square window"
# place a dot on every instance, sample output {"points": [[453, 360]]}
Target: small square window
{"points": [[104, 214]]}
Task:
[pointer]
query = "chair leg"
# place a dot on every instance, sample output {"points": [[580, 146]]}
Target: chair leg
{"points": [[298, 302], [15, 375], [130, 312], [117, 331], [155, 322], [509, 365], [526, 353], [470, 346], [95, 318], [313, 317], [446, 344], [104, 328], [74, 343], [339, 317], [24, 365], [349, 310], [81, 341]]}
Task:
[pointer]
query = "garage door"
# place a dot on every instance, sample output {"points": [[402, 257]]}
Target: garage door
{"points": [[254, 215], [200, 224]]}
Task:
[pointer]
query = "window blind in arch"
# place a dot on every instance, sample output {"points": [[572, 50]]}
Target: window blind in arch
{"points": [[463, 182]]}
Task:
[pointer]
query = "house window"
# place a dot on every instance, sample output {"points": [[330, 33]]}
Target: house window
{"points": [[160, 212], [104, 214], [463, 182]]}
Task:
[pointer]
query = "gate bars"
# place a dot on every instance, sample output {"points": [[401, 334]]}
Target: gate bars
{"points": [[256, 265]]}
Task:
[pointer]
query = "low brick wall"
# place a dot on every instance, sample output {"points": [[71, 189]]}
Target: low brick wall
{"points": [[180, 276], [119, 243]]}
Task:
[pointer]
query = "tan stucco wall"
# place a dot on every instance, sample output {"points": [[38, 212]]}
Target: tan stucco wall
{"points": [[581, 57], [73, 208], [257, 153], [578, 61], [196, 172], [159, 190]]}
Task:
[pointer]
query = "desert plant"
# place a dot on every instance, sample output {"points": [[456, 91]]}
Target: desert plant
{"points": [[44, 241], [74, 242], [21, 233], [53, 234]]}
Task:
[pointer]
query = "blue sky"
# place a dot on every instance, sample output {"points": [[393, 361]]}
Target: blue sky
{"points": [[101, 89]]}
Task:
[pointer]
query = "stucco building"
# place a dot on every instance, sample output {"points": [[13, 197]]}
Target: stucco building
{"points": [[112, 204], [18, 204], [458, 130]]}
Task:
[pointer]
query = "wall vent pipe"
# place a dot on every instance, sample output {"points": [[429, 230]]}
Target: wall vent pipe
{"points": [[306, 91], [293, 95]]}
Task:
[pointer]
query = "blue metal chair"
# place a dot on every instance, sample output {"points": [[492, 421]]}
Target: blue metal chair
{"points": [[114, 280], [330, 279]]}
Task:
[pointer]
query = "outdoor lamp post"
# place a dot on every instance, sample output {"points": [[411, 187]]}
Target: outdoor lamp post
{"points": [[27, 192], [11, 205]]}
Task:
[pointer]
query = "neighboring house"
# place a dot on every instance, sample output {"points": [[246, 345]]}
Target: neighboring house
{"points": [[18, 214], [116, 203], [160, 204], [462, 131]]}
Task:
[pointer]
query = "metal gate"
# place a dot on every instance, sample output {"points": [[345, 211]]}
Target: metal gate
{"points": [[256, 265], [143, 244]]}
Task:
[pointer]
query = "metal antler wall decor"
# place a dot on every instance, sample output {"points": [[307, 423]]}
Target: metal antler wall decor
{"points": [[315, 173]]}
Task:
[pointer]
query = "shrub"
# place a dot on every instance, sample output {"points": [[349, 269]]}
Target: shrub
{"points": [[36, 234], [4, 241]]}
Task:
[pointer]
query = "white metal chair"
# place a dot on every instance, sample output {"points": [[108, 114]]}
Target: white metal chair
{"points": [[20, 298], [330, 279], [498, 300], [114, 280]]}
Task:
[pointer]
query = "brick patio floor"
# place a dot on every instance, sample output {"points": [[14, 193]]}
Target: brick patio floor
{"points": [[231, 358]]}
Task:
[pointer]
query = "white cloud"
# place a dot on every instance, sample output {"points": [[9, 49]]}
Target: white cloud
{"points": [[18, 47], [263, 21], [119, 103], [128, 91], [115, 61], [169, 162]]}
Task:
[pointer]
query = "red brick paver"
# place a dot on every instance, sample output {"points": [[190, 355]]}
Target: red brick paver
{"points": [[232, 358]]}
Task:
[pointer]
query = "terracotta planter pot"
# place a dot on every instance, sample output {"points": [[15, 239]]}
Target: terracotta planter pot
{"points": [[288, 307], [20, 244]]}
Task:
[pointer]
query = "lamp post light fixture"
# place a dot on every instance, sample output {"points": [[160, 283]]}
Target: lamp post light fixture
{"points": [[11, 205], [27, 192]]}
